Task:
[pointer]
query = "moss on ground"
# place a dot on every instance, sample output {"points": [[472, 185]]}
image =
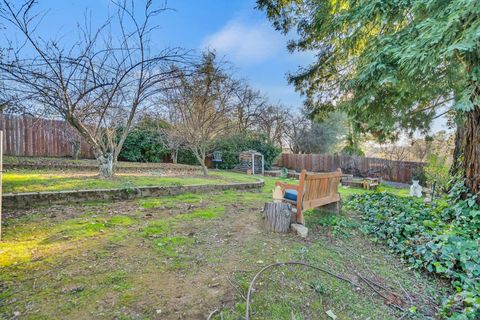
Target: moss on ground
{"points": [[184, 256], [54, 180]]}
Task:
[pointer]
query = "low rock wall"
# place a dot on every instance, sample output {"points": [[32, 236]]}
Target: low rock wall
{"points": [[31, 199]]}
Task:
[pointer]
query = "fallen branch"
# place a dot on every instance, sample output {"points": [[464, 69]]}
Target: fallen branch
{"points": [[237, 289], [388, 300]]}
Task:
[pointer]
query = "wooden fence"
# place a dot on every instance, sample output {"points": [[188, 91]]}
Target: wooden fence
{"points": [[397, 171], [28, 136]]}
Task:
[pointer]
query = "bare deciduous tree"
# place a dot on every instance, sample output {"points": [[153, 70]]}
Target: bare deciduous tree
{"points": [[174, 141], [97, 84], [394, 152], [296, 128], [248, 107], [199, 105], [272, 120]]}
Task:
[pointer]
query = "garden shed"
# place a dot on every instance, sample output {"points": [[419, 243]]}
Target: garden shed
{"points": [[251, 161]]}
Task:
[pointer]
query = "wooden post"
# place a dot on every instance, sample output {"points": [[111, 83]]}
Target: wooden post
{"points": [[253, 163], [263, 165], [1, 174]]}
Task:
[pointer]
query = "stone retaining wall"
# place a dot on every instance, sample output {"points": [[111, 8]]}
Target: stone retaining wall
{"points": [[31, 199]]}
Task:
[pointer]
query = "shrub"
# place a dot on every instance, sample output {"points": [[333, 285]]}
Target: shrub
{"points": [[186, 156], [443, 240], [419, 174], [231, 147], [143, 145], [437, 169], [353, 151]]}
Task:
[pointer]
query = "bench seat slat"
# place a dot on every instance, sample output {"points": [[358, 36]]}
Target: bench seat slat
{"points": [[320, 201]]}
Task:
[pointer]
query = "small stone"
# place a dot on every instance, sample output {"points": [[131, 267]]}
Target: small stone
{"points": [[300, 229], [159, 311]]}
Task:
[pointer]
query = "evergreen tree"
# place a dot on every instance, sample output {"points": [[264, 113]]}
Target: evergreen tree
{"points": [[391, 64]]}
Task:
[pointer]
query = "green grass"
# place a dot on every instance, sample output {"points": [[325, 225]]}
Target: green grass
{"points": [[297, 292], [163, 226], [156, 228], [23, 241], [169, 246], [158, 257], [204, 213], [169, 202], [346, 191], [90, 163], [50, 180], [34, 181], [118, 280]]}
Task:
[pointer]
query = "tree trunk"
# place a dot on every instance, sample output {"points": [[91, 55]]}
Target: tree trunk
{"points": [[204, 167], [201, 159], [277, 216], [471, 152], [457, 168], [106, 169], [174, 156], [75, 149]]}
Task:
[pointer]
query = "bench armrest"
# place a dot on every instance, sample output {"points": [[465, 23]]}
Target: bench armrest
{"points": [[286, 186]]}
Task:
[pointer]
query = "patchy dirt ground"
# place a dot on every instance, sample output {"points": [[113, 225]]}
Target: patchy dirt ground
{"points": [[184, 257]]}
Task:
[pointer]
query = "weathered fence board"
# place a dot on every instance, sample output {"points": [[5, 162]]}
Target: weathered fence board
{"points": [[398, 171], [28, 136]]}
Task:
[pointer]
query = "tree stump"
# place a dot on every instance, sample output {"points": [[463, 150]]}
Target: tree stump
{"points": [[277, 216]]}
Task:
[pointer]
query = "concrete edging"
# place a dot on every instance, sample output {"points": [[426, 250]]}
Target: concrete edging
{"points": [[30, 199]]}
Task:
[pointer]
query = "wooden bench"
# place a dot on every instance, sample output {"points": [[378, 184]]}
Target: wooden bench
{"points": [[313, 190]]}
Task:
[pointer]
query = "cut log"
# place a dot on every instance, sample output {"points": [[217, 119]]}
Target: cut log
{"points": [[277, 216]]}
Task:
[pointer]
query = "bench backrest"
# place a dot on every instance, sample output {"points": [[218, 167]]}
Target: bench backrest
{"points": [[319, 188]]}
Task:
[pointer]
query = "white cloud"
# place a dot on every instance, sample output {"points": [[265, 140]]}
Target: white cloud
{"points": [[246, 43]]}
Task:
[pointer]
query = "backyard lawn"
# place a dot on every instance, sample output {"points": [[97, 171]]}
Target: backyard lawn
{"points": [[58, 180], [26, 180], [186, 256]]}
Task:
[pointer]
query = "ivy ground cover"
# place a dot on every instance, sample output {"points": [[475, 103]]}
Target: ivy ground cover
{"points": [[442, 238]]}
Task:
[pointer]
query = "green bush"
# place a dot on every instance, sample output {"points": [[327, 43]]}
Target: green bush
{"points": [[419, 174], [437, 170], [143, 146], [442, 239], [231, 147], [353, 151], [186, 156]]}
